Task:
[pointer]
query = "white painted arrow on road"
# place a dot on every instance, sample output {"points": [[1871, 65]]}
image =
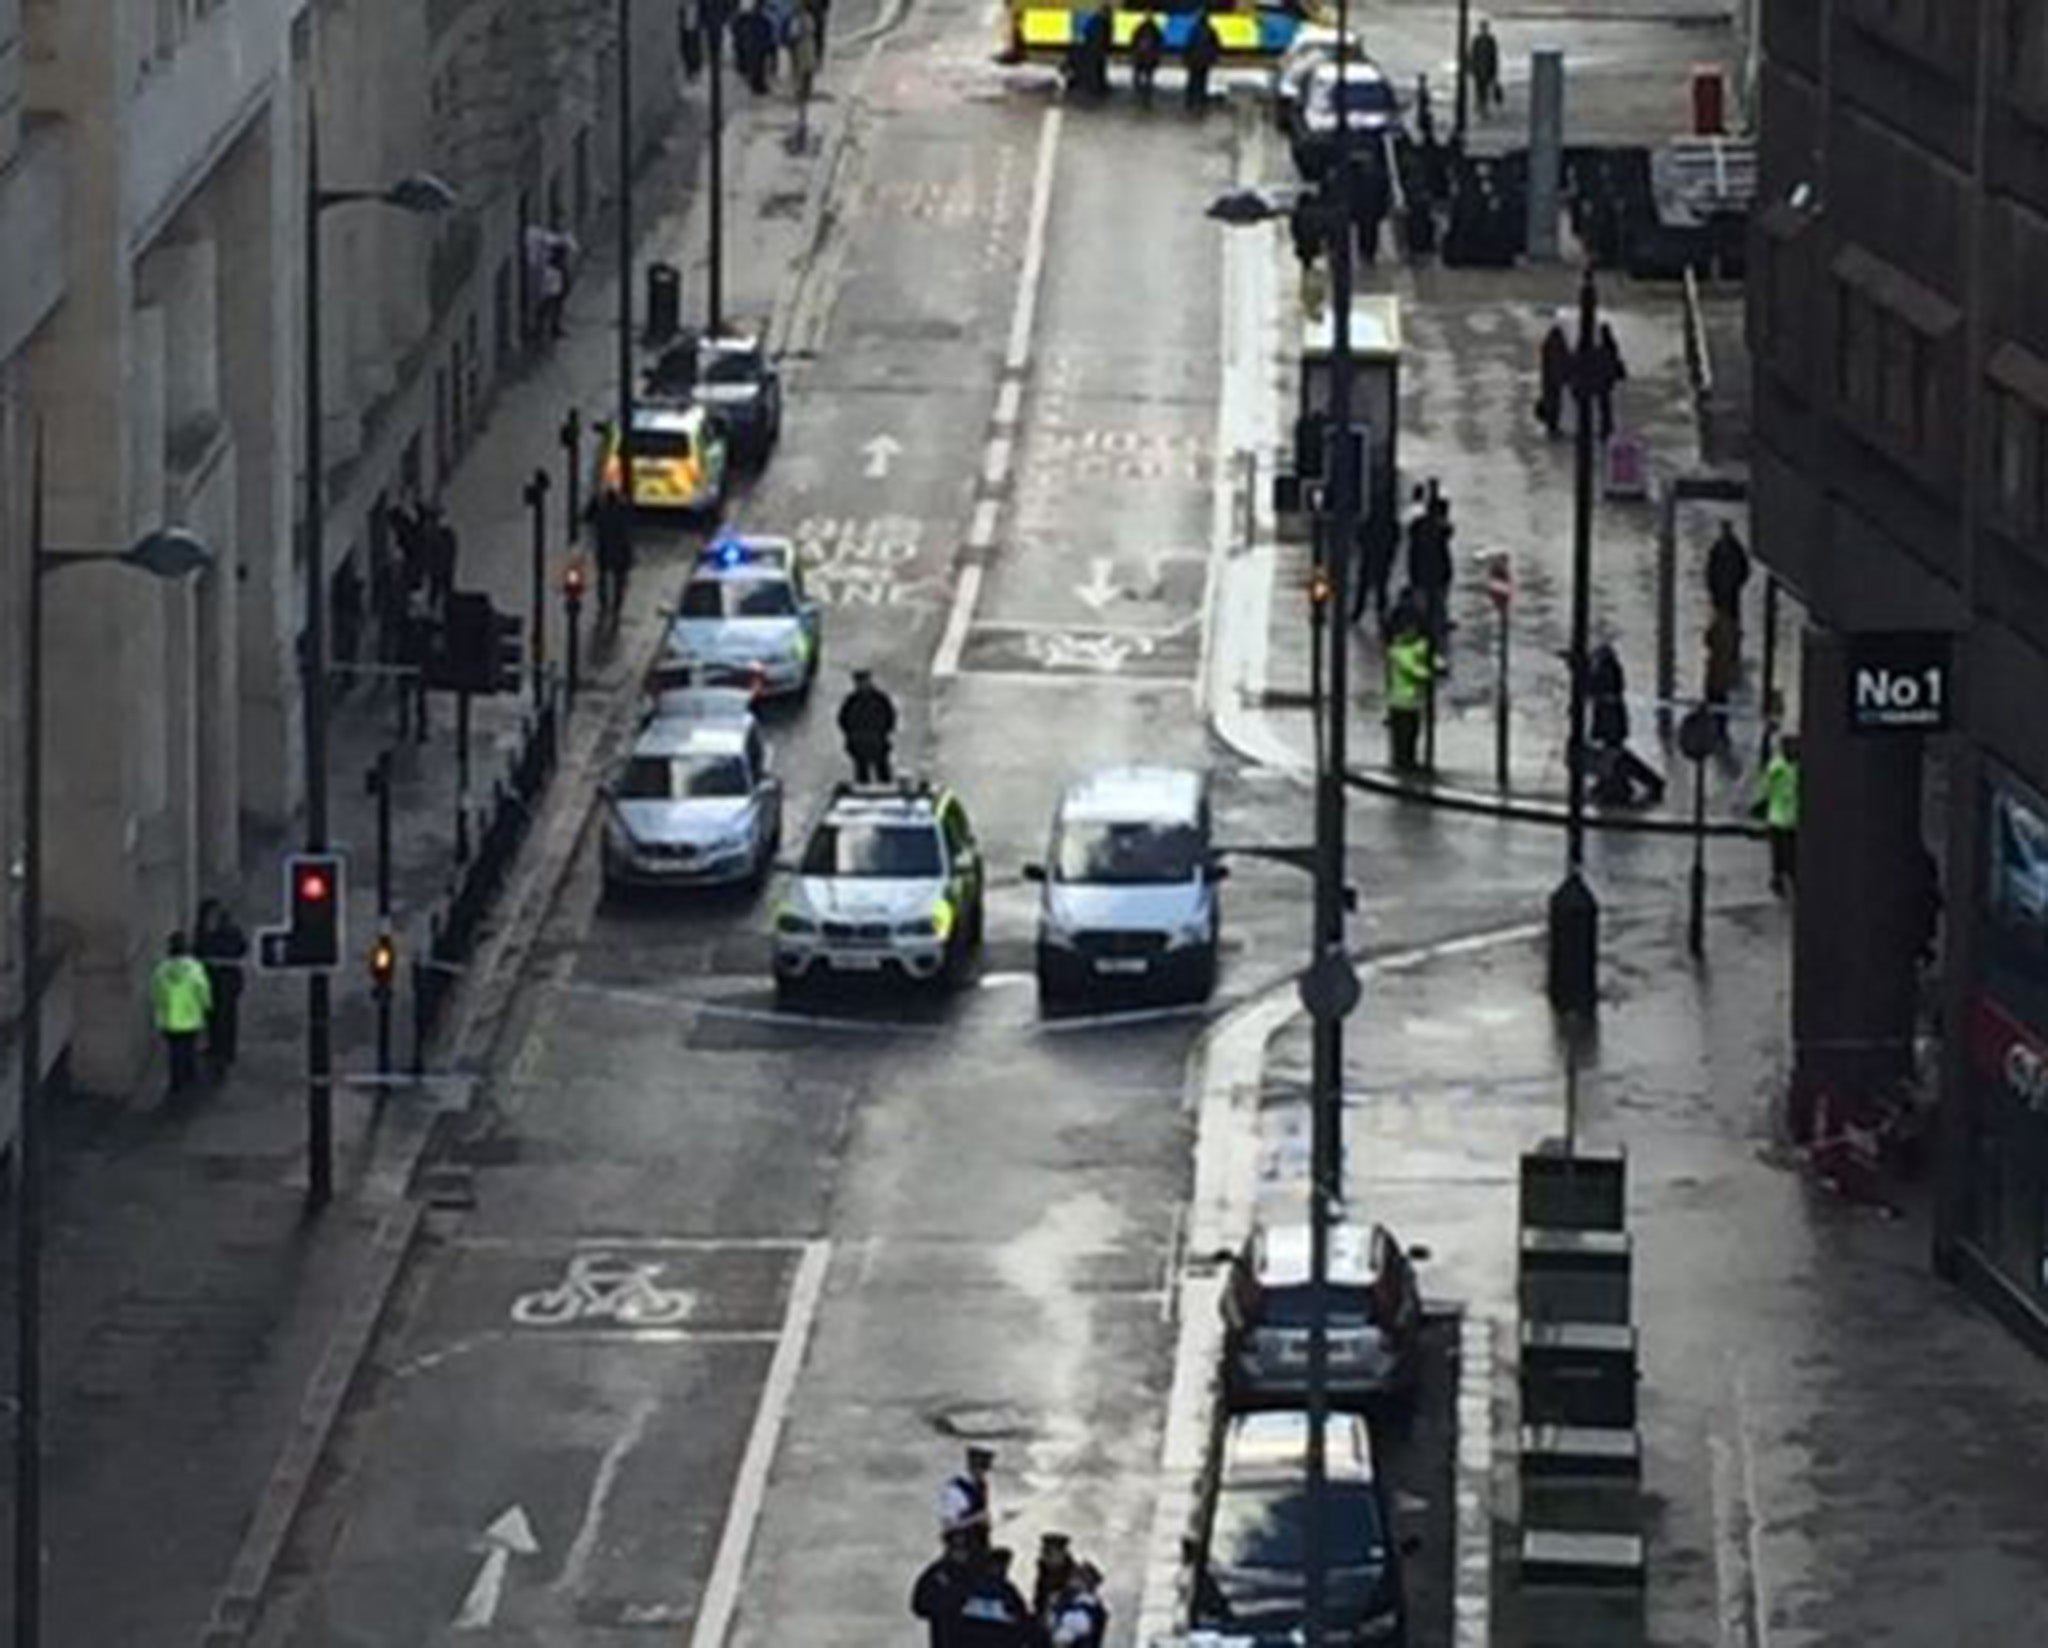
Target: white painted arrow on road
{"points": [[880, 450], [511, 1535], [1099, 591]]}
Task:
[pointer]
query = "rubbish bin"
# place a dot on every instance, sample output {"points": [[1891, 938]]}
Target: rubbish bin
{"points": [[1709, 100], [664, 301]]}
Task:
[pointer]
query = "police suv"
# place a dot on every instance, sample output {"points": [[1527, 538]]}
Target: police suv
{"points": [[889, 882]]}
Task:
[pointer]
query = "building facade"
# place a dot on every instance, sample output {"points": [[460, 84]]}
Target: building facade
{"points": [[1900, 465], [152, 164]]}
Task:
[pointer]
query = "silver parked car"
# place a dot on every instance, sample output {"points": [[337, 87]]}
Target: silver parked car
{"points": [[1130, 886], [693, 804], [745, 621]]}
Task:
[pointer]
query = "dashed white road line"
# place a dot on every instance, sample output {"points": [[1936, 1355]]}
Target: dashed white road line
{"points": [[946, 662], [1026, 312], [728, 1568], [1009, 402], [995, 462], [981, 531]]}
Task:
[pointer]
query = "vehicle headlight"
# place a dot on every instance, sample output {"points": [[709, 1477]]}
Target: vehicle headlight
{"points": [[1193, 931], [794, 921]]}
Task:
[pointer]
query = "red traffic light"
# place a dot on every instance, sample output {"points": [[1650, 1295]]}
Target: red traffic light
{"points": [[572, 579], [315, 886]]}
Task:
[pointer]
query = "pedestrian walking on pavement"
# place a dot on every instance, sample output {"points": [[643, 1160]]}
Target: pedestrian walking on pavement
{"points": [[442, 552], [690, 36], [223, 947], [965, 1512], [1554, 371], [1779, 805], [1727, 573], [821, 16], [867, 721], [1411, 669], [1620, 777], [941, 1591], [612, 517], [1608, 372], [554, 293], [1429, 568], [1482, 59], [753, 47], [1200, 54], [181, 1001], [1371, 199], [1378, 543], [1721, 667], [801, 42], [1148, 47]]}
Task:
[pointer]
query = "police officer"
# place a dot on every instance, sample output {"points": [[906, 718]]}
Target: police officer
{"points": [[941, 1591], [1055, 1573], [181, 1000], [223, 947], [1079, 1619], [1780, 806], [963, 1501], [867, 721], [993, 1614], [1410, 667]]}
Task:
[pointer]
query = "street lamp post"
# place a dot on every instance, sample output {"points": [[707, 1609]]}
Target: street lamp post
{"points": [[168, 553], [420, 193], [535, 495], [1464, 70], [1574, 948], [717, 13], [622, 431]]}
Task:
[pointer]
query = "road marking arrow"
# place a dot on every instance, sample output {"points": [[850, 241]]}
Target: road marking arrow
{"points": [[1099, 591], [511, 1535], [880, 450]]}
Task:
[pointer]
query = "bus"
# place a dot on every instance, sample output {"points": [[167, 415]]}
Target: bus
{"points": [[1041, 31]]}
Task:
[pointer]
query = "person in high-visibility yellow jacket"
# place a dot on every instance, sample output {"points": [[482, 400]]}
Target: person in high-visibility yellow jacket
{"points": [[181, 1001], [1780, 804], [1410, 665]]}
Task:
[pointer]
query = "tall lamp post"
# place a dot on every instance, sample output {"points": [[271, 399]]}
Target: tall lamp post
{"points": [[1574, 912], [1330, 987], [168, 553], [717, 14], [622, 430], [422, 194]]}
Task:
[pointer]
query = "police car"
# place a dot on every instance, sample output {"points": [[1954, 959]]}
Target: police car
{"points": [[731, 374], [889, 882], [693, 803], [744, 621], [680, 461]]}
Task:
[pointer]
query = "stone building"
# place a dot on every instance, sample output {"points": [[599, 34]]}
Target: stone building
{"points": [[151, 169], [1901, 478]]}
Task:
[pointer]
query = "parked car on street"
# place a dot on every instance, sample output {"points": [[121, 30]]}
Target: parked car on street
{"points": [[1314, 47], [1130, 887], [890, 882], [744, 620], [680, 461], [1255, 1521], [1372, 118], [730, 374], [1375, 1333], [693, 804]]}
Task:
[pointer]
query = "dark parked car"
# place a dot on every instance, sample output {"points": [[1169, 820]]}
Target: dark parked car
{"points": [[1375, 1318], [1372, 117], [730, 376], [1255, 1515]]}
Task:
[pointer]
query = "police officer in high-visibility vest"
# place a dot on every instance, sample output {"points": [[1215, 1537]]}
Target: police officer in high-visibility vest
{"points": [[181, 1000], [963, 1502], [1780, 807], [1410, 665]]}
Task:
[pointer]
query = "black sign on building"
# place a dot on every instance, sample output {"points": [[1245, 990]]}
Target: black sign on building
{"points": [[1900, 682]]}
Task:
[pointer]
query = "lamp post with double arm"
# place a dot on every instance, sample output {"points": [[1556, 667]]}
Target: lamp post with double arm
{"points": [[425, 195], [169, 553]]}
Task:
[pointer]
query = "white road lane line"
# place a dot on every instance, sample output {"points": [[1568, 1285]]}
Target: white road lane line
{"points": [[1009, 402], [584, 1546], [728, 1568], [946, 662], [981, 531], [995, 462], [1026, 311]]}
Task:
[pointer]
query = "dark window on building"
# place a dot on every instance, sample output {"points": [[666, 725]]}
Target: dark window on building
{"points": [[2018, 443]]}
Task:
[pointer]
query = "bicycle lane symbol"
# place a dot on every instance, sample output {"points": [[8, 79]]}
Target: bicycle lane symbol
{"points": [[601, 1287]]}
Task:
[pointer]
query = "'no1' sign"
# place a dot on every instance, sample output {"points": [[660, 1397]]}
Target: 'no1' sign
{"points": [[1899, 682]]}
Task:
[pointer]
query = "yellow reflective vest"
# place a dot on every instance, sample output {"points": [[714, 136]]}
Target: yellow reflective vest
{"points": [[1781, 792], [180, 995], [1408, 670]]}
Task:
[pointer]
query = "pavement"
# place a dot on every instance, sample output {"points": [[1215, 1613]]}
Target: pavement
{"points": [[202, 1328]]}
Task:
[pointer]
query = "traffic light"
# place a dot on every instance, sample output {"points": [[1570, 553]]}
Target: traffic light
{"points": [[311, 935], [508, 652], [383, 961]]}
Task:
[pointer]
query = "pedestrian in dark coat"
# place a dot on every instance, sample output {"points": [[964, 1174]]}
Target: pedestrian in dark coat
{"points": [[1429, 567], [1621, 778], [1200, 54], [941, 1591], [408, 532], [753, 47], [1554, 371], [821, 15], [1148, 47], [690, 36], [1482, 59], [993, 1614], [1095, 53], [442, 552], [1609, 372], [867, 721], [222, 945], [612, 516], [1371, 197], [1727, 573]]}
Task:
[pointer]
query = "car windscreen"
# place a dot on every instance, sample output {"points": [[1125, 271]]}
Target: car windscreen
{"points": [[661, 443], [1289, 1307], [1264, 1526], [737, 598], [862, 849], [1360, 96], [682, 777], [1126, 854], [721, 366]]}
